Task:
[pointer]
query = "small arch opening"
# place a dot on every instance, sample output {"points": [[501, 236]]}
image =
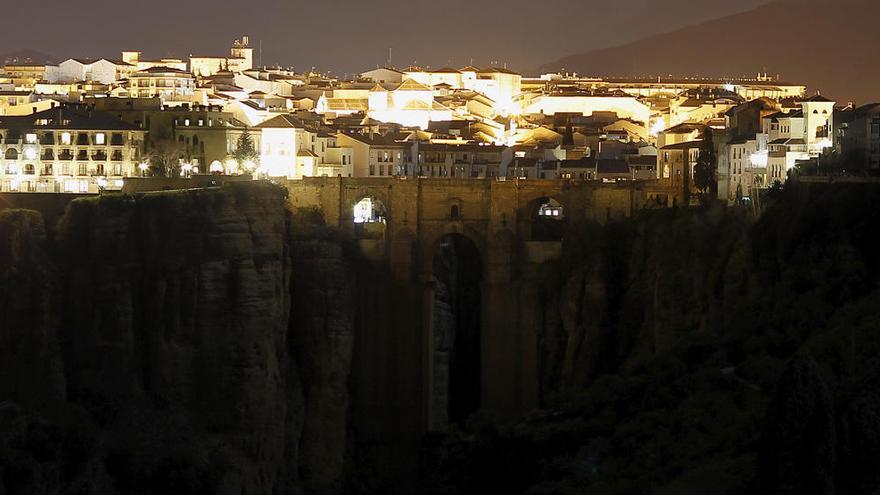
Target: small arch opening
{"points": [[454, 212], [370, 217], [548, 220]]}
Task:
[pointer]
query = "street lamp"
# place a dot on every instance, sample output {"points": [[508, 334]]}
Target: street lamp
{"points": [[143, 168]]}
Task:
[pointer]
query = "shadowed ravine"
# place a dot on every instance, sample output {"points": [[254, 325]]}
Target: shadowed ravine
{"points": [[214, 341]]}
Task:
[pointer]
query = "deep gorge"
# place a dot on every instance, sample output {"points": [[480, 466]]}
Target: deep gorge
{"points": [[214, 341]]}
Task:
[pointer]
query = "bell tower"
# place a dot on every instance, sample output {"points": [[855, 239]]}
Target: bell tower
{"points": [[241, 48]]}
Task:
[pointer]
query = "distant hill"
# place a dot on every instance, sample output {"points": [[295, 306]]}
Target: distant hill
{"points": [[27, 56], [830, 46]]}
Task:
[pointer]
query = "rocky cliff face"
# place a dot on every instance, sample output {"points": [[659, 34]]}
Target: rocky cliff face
{"points": [[322, 337], [699, 352], [32, 364], [177, 363]]}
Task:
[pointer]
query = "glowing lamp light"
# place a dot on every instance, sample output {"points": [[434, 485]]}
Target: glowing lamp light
{"points": [[658, 127], [216, 167], [30, 153], [759, 159], [102, 183], [825, 143]]}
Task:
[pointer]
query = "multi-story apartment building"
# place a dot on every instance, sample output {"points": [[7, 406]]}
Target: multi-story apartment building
{"points": [[453, 160], [205, 133], [168, 84], [24, 75], [295, 149], [374, 155], [67, 149]]}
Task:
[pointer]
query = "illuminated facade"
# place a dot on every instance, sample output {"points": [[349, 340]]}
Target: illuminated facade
{"points": [[289, 149], [761, 86], [240, 59], [67, 150], [24, 75], [627, 107], [104, 71], [166, 83], [374, 155], [134, 58]]}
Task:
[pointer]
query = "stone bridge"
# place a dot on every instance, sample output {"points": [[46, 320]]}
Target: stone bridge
{"points": [[505, 223]]}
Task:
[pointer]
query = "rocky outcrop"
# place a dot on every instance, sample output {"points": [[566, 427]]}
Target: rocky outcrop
{"points": [[31, 374], [322, 336], [177, 367], [176, 308], [700, 351]]}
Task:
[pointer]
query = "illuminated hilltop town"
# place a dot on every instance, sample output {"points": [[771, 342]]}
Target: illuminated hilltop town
{"points": [[85, 125]]}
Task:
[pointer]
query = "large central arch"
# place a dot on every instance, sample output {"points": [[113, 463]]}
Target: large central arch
{"points": [[455, 347]]}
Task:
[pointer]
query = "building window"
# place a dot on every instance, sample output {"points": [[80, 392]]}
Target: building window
{"points": [[372, 170], [100, 139], [30, 138]]}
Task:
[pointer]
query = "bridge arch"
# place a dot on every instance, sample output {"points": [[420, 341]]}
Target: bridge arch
{"points": [[455, 337]]}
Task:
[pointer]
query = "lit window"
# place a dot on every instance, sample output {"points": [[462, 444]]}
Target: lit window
{"points": [[31, 138], [368, 211], [100, 138]]}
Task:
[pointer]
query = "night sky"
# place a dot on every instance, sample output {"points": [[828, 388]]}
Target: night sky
{"points": [[346, 36]]}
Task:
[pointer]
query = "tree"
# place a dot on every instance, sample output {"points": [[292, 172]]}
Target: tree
{"points": [[164, 157], [245, 151], [707, 163]]}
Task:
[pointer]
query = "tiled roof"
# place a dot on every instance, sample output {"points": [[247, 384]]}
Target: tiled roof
{"points": [[282, 122], [411, 85]]}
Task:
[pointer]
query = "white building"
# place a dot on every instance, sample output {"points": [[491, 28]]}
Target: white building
{"points": [[67, 149], [626, 107], [104, 71], [166, 83], [240, 59], [288, 149]]}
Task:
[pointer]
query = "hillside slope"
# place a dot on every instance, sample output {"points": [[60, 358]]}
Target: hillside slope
{"points": [[828, 46]]}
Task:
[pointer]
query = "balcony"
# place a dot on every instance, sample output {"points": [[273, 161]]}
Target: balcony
{"points": [[82, 155], [65, 155], [99, 156], [47, 140], [47, 155], [116, 140], [116, 156]]}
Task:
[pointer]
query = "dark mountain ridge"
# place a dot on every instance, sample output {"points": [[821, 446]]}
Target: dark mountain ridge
{"points": [[826, 45]]}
